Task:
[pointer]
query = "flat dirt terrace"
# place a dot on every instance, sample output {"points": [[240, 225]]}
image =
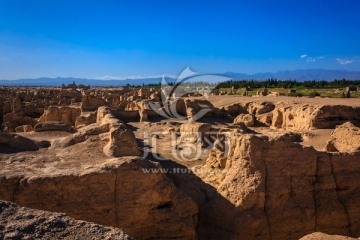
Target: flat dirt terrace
{"points": [[221, 101]]}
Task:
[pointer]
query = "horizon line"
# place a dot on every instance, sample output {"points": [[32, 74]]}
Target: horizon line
{"points": [[139, 77]]}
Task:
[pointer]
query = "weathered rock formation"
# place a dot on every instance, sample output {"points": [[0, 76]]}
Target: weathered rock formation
{"points": [[24, 128], [294, 116], [345, 138], [247, 120], [120, 140], [323, 236], [61, 114], [302, 117], [91, 102], [196, 109], [259, 181], [54, 126], [14, 142], [259, 107], [279, 189], [24, 223], [194, 133], [12, 120], [85, 118], [235, 109], [111, 192]]}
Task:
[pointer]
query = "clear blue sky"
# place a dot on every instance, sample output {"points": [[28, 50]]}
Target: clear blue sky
{"points": [[127, 38]]}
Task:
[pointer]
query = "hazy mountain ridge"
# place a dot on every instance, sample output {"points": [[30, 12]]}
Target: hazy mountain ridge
{"points": [[299, 75]]}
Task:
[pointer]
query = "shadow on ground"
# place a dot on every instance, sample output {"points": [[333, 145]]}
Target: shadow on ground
{"points": [[218, 217]]}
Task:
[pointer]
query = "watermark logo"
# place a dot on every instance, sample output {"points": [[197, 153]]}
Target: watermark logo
{"points": [[188, 83], [183, 170], [186, 146]]}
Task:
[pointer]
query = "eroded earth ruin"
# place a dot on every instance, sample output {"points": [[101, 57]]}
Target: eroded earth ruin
{"points": [[249, 168]]}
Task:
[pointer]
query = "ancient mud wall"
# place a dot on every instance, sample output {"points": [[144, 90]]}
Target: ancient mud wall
{"points": [[118, 194], [279, 189]]}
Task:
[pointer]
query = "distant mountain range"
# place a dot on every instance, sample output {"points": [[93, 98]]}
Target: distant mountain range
{"points": [[299, 75]]}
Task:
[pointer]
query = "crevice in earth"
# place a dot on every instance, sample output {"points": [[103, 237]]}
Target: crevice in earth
{"points": [[15, 190], [293, 196], [201, 207], [115, 198], [202, 194], [181, 181], [337, 194], [263, 154], [314, 190]]}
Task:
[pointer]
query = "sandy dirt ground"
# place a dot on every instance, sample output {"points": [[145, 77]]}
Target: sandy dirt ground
{"points": [[221, 101]]}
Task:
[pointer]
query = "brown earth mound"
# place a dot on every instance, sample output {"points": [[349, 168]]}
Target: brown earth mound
{"points": [[24, 223], [323, 236], [345, 138]]}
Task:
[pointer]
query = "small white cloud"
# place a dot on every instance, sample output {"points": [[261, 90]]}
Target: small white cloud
{"points": [[343, 61], [310, 59]]}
